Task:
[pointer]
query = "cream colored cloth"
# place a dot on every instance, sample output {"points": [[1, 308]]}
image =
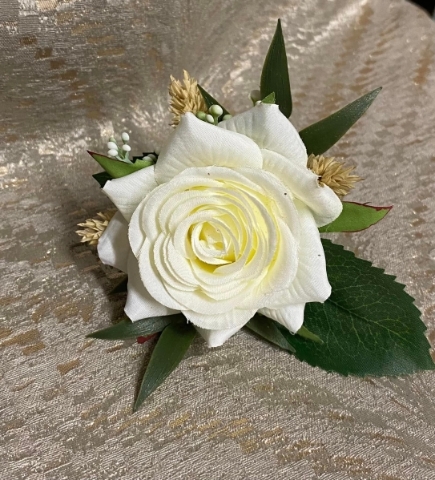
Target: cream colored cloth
{"points": [[74, 72]]}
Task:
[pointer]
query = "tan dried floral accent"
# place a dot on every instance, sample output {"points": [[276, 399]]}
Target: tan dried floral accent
{"points": [[185, 98], [93, 228], [334, 174]]}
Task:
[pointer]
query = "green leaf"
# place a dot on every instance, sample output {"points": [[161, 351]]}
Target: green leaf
{"points": [[116, 168], [321, 136], [209, 100], [128, 329], [270, 98], [268, 329], [141, 163], [102, 178], [274, 76], [369, 324], [305, 333], [356, 217], [167, 354]]}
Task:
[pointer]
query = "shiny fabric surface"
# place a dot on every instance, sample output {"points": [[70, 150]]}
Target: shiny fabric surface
{"points": [[72, 73]]}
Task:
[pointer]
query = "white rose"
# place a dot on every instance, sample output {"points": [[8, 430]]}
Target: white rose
{"points": [[224, 225]]}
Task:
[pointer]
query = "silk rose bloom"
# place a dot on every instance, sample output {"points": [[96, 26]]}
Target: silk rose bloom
{"points": [[224, 225]]}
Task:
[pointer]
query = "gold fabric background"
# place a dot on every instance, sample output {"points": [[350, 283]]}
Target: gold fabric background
{"points": [[71, 73]]}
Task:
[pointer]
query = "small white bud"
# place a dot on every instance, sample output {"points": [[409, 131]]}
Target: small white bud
{"points": [[258, 102], [112, 146], [157, 150], [255, 95], [152, 156], [201, 115], [227, 117], [125, 137], [147, 159], [209, 119], [126, 148], [113, 153], [216, 110]]}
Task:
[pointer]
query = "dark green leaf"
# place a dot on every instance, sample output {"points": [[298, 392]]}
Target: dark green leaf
{"points": [[356, 217], [270, 98], [305, 333], [274, 76], [116, 168], [321, 136], [121, 287], [209, 100], [128, 329], [267, 329], [102, 178], [167, 354], [369, 325]]}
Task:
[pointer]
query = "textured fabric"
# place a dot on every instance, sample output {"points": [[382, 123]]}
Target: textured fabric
{"points": [[71, 73]]}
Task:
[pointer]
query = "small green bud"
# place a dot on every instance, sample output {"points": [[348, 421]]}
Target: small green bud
{"points": [[216, 110]]}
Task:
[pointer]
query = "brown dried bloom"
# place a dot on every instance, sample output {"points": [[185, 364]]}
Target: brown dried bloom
{"points": [[185, 98], [335, 174], [93, 228]]}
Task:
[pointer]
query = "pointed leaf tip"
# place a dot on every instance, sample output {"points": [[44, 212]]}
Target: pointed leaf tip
{"points": [[275, 76], [128, 329], [321, 136], [167, 354], [115, 168], [356, 217]]}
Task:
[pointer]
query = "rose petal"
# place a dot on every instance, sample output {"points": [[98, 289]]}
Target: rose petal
{"points": [[224, 321], [311, 282], [195, 143], [127, 192], [216, 338], [303, 183], [151, 279], [113, 247], [140, 304], [291, 316], [270, 130]]}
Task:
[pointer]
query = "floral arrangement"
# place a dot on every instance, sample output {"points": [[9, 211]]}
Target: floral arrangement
{"points": [[220, 230]]}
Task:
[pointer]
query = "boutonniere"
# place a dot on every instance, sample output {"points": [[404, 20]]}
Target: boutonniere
{"points": [[220, 229]]}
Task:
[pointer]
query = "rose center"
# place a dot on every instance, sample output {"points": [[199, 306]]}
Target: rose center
{"points": [[213, 243]]}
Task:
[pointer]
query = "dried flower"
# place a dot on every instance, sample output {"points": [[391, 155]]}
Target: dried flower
{"points": [[334, 174], [185, 98], [93, 228]]}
